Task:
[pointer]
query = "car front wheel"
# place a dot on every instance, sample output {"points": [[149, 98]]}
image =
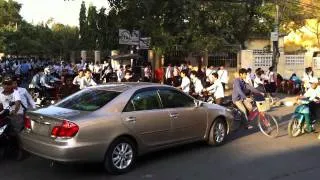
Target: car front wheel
{"points": [[218, 132], [121, 156]]}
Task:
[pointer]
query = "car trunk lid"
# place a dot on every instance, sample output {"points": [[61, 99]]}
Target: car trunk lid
{"points": [[44, 120]]}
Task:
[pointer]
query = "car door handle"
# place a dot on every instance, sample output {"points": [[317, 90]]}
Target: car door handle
{"points": [[174, 115], [131, 119]]}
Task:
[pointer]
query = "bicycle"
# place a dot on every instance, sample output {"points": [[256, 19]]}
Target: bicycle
{"points": [[267, 123]]}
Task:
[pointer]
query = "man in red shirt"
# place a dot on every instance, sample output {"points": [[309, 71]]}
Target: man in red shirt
{"points": [[159, 73]]}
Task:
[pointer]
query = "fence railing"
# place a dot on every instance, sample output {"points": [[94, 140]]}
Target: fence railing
{"points": [[294, 60], [263, 61]]}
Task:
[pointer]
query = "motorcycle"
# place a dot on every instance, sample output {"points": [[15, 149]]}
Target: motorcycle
{"points": [[51, 96], [301, 121], [5, 137]]}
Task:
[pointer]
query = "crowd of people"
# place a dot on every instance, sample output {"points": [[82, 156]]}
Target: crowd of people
{"points": [[58, 80], [61, 79]]}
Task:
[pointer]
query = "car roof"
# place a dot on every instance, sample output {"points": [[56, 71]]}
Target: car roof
{"points": [[121, 87]]}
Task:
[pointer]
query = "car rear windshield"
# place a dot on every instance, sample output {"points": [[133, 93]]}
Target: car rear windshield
{"points": [[88, 100]]}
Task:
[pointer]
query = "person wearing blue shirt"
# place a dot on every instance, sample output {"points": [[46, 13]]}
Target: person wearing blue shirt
{"points": [[239, 94], [24, 68]]}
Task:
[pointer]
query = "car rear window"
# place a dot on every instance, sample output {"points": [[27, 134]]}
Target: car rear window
{"points": [[88, 100]]}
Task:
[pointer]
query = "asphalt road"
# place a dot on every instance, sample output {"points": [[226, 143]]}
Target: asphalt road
{"points": [[246, 155]]}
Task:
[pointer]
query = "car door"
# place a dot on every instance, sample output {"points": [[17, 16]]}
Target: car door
{"points": [[144, 115], [187, 120]]}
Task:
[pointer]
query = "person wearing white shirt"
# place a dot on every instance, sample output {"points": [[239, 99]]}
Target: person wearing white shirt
{"points": [[17, 69], [223, 76], [198, 87], [120, 73], [169, 74], [258, 81], [97, 72], [185, 83], [314, 91], [91, 67], [307, 76], [105, 64], [250, 77], [97, 68], [271, 78], [87, 80], [313, 94], [210, 70], [10, 99], [216, 89], [26, 99], [77, 79]]}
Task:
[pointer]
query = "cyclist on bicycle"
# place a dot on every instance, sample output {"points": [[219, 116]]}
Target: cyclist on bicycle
{"points": [[240, 93]]}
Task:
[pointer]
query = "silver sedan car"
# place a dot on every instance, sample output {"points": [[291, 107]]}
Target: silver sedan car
{"points": [[116, 123]]}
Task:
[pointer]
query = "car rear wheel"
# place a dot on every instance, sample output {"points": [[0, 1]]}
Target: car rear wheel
{"points": [[121, 156], [218, 132]]}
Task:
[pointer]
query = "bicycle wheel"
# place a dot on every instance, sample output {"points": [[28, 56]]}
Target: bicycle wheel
{"points": [[268, 125]]}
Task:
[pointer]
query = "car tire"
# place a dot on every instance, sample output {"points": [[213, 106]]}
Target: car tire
{"points": [[217, 133], [121, 152]]}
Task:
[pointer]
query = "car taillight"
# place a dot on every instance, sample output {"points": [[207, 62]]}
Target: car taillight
{"points": [[27, 122], [66, 130]]}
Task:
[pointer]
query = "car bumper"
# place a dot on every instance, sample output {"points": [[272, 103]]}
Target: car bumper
{"points": [[61, 151]]}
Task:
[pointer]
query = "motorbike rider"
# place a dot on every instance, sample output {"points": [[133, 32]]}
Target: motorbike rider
{"points": [[239, 95], [35, 82], [216, 88], [46, 80], [26, 99], [10, 100], [313, 95]]}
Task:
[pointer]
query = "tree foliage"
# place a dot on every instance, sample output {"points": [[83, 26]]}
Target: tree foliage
{"points": [[18, 37], [9, 12], [201, 25], [188, 25]]}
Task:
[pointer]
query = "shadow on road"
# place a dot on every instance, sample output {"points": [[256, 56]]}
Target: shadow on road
{"points": [[193, 161]]}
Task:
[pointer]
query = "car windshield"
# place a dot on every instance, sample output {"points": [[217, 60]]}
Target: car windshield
{"points": [[88, 100]]}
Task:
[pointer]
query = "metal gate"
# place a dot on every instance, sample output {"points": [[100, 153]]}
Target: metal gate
{"points": [[227, 59]]}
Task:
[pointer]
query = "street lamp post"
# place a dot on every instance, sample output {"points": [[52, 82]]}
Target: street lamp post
{"points": [[275, 51]]}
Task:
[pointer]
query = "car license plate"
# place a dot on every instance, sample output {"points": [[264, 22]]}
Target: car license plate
{"points": [[40, 129]]}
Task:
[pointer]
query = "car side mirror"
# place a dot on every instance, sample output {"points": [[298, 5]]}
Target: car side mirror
{"points": [[198, 103]]}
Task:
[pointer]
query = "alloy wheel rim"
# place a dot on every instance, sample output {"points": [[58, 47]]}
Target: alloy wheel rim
{"points": [[219, 132], [122, 156]]}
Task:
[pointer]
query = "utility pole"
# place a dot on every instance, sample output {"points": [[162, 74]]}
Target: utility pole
{"points": [[275, 40]]}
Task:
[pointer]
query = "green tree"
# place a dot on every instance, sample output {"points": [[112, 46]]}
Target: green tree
{"points": [[83, 24], [9, 12], [92, 28], [66, 38]]}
